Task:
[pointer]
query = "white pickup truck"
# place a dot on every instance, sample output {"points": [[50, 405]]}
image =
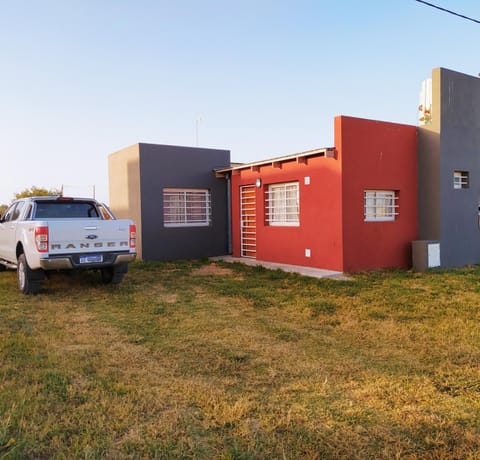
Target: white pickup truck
{"points": [[38, 234]]}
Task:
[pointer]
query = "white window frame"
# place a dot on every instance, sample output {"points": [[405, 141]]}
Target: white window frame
{"points": [[282, 202], [460, 179], [186, 207], [380, 205]]}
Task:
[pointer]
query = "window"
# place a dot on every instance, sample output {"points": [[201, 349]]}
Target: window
{"points": [[282, 203], [17, 210], [460, 179], [380, 205], [186, 207], [28, 212], [66, 210], [105, 212], [13, 212], [7, 217]]}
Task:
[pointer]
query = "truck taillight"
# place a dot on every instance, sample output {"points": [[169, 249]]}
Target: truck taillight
{"points": [[133, 236], [41, 239]]}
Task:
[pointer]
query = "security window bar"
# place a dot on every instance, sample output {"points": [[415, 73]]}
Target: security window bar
{"points": [[460, 179], [186, 207], [282, 202], [248, 228], [380, 205]]}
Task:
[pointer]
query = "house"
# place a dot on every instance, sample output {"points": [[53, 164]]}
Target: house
{"points": [[347, 208], [449, 168], [358, 205], [171, 193]]}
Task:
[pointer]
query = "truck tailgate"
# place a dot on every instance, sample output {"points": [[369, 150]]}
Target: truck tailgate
{"points": [[87, 235]]}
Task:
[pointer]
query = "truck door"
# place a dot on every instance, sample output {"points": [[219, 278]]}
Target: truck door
{"points": [[8, 226]]}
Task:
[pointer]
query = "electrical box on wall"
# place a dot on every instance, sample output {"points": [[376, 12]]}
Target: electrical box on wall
{"points": [[425, 255], [308, 253], [306, 180]]}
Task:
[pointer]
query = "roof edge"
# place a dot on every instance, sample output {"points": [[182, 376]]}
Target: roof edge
{"points": [[325, 151]]}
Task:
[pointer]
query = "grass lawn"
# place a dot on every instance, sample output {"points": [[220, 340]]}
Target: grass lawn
{"points": [[217, 361]]}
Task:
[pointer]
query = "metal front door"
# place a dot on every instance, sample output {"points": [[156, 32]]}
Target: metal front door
{"points": [[248, 229]]}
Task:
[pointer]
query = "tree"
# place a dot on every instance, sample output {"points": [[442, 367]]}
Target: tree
{"points": [[32, 191], [37, 191]]}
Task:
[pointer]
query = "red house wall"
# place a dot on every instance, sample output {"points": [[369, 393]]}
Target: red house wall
{"points": [[320, 227], [369, 155], [377, 156]]}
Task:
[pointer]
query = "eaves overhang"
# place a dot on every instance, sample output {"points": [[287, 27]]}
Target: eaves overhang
{"points": [[301, 157]]}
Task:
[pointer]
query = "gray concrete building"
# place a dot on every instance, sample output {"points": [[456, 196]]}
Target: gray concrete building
{"points": [[449, 168], [172, 194]]}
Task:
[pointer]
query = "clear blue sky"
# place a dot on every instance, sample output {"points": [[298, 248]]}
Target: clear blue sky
{"points": [[83, 78]]}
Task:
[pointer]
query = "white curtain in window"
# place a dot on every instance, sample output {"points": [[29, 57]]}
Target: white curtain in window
{"points": [[186, 207], [284, 204]]}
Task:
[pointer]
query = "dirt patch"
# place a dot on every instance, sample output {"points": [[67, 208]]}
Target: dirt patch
{"points": [[212, 269]]}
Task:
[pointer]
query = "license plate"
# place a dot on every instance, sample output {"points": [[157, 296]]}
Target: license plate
{"points": [[91, 259]]}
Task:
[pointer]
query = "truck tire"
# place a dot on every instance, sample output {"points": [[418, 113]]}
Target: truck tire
{"points": [[114, 275], [28, 279]]}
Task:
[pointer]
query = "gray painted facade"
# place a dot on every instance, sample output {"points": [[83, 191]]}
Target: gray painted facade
{"points": [[451, 142], [138, 175]]}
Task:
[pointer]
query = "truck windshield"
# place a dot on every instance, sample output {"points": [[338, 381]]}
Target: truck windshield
{"points": [[66, 209]]}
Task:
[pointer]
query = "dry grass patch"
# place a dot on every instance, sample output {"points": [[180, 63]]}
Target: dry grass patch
{"points": [[212, 269], [241, 363]]}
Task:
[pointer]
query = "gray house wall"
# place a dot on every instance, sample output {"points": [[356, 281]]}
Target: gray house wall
{"points": [[451, 143], [166, 166]]}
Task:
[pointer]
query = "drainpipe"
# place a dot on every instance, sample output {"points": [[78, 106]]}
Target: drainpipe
{"points": [[229, 215]]}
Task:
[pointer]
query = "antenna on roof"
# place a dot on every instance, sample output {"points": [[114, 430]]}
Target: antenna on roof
{"points": [[197, 123]]}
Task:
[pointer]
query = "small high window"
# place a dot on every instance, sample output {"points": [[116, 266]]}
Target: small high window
{"points": [[186, 207], [380, 205], [460, 179], [283, 204]]}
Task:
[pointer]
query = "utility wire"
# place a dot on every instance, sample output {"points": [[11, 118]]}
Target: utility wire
{"points": [[449, 11]]}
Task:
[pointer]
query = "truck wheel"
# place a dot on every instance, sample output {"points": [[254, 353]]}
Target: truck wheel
{"points": [[113, 275], [28, 279]]}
